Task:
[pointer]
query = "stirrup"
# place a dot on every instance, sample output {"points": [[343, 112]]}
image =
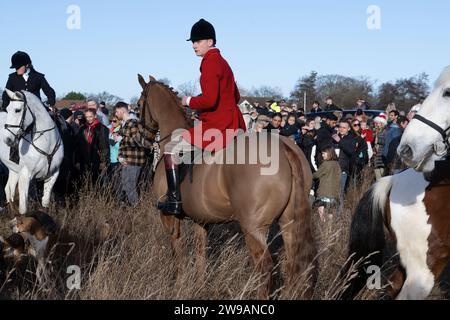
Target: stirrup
{"points": [[169, 207]]}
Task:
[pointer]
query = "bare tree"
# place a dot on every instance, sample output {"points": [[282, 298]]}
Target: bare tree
{"points": [[345, 91], [387, 93], [404, 92], [266, 91], [134, 100], [104, 96], [189, 89]]}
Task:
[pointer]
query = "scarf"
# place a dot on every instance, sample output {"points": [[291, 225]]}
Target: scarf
{"points": [[114, 130], [89, 131]]}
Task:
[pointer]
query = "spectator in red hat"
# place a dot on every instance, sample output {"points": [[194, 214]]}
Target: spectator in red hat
{"points": [[380, 136]]}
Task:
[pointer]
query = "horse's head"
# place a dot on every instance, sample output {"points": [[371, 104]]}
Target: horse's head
{"points": [[19, 118], [160, 105], [426, 139], [144, 104]]}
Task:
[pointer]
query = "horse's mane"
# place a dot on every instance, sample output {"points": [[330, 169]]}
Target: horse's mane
{"points": [[444, 78], [171, 91], [174, 95], [34, 99]]}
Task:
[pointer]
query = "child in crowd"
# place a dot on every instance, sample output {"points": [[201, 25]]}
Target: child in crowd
{"points": [[329, 176]]}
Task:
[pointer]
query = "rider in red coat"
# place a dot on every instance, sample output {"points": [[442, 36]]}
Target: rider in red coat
{"points": [[218, 112], [218, 102]]}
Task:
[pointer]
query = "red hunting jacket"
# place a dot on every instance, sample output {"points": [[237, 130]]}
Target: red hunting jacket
{"points": [[217, 104]]}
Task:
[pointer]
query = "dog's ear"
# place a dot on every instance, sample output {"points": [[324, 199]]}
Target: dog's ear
{"points": [[16, 241], [33, 225], [13, 222], [5, 249]]}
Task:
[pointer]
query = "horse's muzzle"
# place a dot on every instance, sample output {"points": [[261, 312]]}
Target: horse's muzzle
{"points": [[405, 152], [10, 142]]}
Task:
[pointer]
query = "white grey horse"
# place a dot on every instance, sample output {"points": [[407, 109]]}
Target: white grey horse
{"points": [[246, 109], [427, 137], [28, 125]]}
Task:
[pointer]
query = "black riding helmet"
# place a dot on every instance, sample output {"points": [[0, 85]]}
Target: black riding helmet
{"points": [[20, 59], [202, 30]]}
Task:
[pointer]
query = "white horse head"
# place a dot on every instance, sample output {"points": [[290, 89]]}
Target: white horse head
{"points": [[426, 139], [18, 119], [246, 109]]}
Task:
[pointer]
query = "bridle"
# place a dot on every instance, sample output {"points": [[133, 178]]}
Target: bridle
{"points": [[23, 132], [153, 130], [444, 133]]}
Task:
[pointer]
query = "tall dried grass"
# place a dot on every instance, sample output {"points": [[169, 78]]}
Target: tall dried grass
{"points": [[124, 253]]}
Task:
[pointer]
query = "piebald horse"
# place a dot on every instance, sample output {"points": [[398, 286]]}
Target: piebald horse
{"points": [[28, 125], [222, 193], [411, 209]]}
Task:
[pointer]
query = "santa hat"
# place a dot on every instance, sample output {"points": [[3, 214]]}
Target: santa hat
{"points": [[381, 119]]}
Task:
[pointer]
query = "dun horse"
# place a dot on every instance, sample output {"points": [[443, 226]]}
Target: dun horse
{"points": [[221, 193]]}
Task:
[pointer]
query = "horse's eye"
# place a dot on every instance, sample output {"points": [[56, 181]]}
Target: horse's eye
{"points": [[17, 110], [447, 93]]}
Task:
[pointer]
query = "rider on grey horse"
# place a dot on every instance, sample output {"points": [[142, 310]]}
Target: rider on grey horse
{"points": [[27, 79]]}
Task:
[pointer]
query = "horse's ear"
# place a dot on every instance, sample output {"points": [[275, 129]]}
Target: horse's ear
{"points": [[142, 81], [15, 95], [153, 79], [20, 96], [11, 94]]}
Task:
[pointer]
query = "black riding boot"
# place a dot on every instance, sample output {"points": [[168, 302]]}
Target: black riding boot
{"points": [[172, 205]]}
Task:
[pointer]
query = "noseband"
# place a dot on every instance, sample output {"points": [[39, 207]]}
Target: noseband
{"points": [[23, 132], [444, 133], [152, 130]]}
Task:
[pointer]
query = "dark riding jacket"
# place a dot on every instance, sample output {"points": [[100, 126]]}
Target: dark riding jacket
{"points": [[347, 146], [90, 155], [35, 83]]}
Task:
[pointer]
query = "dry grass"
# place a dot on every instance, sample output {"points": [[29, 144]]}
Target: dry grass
{"points": [[124, 253]]}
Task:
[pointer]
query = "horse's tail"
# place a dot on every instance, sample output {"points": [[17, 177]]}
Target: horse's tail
{"points": [[303, 246], [367, 236]]}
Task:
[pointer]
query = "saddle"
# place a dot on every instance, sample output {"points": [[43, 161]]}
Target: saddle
{"points": [[186, 169], [194, 157]]}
